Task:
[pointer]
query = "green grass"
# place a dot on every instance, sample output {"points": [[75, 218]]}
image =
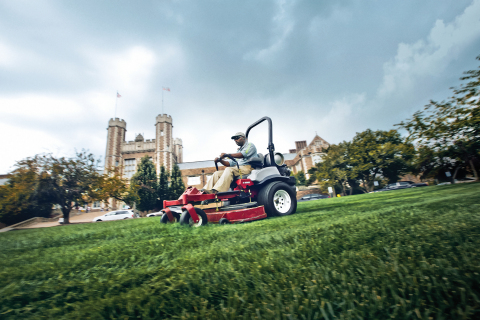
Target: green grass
{"points": [[406, 254]]}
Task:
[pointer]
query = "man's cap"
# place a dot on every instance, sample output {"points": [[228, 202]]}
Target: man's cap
{"points": [[238, 134]]}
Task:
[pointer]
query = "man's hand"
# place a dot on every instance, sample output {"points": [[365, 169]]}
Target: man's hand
{"points": [[222, 155], [217, 159]]}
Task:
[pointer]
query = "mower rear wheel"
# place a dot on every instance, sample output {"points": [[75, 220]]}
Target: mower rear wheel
{"points": [[278, 199], [186, 219], [164, 218]]}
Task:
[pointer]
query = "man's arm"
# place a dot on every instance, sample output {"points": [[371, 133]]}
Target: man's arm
{"points": [[233, 155], [220, 159], [224, 162]]}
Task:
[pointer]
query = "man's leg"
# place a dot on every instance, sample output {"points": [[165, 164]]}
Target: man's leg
{"points": [[223, 184], [213, 180]]}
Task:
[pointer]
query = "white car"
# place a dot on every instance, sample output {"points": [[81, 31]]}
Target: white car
{"points": [[160, 213], [155, 214], [116, 215]]}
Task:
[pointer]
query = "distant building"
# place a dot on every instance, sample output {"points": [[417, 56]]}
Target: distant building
{"points": [[304, 156]]}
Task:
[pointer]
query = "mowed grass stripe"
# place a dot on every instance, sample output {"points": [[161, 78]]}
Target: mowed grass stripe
{"points": [[403, 254]]}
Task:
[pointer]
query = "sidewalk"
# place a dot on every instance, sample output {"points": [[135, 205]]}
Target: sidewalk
{"points": [[82, 218]]}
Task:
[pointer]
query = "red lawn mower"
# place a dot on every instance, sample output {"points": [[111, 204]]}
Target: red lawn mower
{"points": [[267, 191]]}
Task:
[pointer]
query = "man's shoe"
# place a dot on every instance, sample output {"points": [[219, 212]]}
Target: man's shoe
{"points": [[205, 191]]}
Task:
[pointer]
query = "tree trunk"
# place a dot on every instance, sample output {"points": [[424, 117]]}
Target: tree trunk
{"points": [[66, 215], [475, 174], [454, 175]]}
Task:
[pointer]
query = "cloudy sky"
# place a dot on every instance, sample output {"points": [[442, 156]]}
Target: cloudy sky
{"points": [[331, 67]]}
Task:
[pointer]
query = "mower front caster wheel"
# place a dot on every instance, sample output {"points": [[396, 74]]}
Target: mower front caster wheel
{"points": [[164, 218], [223, 221], [186, 219]]}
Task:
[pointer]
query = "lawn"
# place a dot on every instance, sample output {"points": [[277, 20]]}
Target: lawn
{"points": [[405, 254]]}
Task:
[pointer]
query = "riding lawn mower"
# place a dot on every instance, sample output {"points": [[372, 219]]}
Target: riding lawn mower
{"points": [[267, 191]]}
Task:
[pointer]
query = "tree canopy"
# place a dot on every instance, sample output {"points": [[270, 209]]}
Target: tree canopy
{"points": [[177, 187], [40, 182], [163, 190], [447, 133], [21, 198], [369, 155], [144, 182]]}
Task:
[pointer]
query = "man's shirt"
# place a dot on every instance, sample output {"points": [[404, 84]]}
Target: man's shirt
{"points": [[248, 150]]}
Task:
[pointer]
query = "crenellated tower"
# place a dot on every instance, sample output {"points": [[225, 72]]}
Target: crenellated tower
{"points": [[178, 149], [115, 138], [164, 142]]}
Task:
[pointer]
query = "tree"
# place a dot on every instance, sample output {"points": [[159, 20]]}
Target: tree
{"points": [[373, 153], [163, 190], [21, 198], [70, 181], [449, 131], [177, 187], [300, 177], [42, 181], [144, 184], [113, 185], [333, 169], [313, 175]]}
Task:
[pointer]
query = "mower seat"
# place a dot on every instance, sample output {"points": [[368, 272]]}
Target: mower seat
{"points": [[257, 162]]}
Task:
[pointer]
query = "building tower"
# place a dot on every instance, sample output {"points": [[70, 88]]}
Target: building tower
{"points": [[164, 142], [178, 149], [115, 138]]}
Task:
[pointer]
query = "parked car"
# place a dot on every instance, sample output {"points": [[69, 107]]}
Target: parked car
{"points": [[420, 184], [116, 215], [401, 185], [160, 213], [155, 214], [313, 196], [462, 180]]}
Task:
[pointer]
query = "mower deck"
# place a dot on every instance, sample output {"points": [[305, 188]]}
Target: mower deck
{"points": [[236, 215]]}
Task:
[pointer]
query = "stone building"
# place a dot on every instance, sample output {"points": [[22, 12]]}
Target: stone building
{"points": [[304, 156], [163, 150]]}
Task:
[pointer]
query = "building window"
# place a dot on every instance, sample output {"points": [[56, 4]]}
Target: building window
{"points": [[96, 204], [130, 167], [299, 166], [192, 181], [316, 158]]}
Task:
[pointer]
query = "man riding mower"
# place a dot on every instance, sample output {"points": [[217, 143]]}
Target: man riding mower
{"points": [[250, 189], [221, 180]]}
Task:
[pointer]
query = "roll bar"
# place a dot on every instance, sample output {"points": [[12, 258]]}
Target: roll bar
{"points": [[271, 147]]}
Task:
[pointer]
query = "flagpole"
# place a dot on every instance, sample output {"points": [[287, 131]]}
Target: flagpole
{"points": [[162, 98], [116, 101]]}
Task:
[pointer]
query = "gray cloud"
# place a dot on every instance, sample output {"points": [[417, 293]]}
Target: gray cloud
{"points": [[331, 67]]}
